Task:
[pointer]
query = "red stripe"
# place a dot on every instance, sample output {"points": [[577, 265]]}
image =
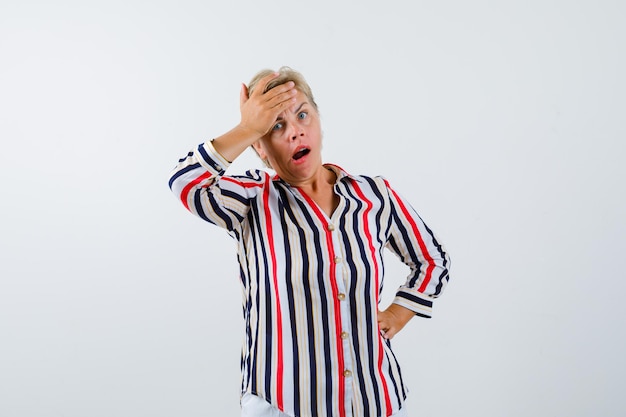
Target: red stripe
{"points": [[420, 241], [373, 252], [279, 319], [184, 194], [335, 290], [241, 183]]}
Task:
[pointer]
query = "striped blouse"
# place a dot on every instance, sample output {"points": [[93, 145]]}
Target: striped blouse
{"points": [[311, 284]]}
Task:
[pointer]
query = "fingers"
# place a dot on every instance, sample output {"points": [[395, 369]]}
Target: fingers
{"points": [[392, 320], [388, 332], [282, 94], [243, 94], [281, 97], [259, 110], [263, 82], [385, 325], [277, 95]]}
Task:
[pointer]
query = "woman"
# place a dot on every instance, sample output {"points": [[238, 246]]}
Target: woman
{"points": [[310, 248]]}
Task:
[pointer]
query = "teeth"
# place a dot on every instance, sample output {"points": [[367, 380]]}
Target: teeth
{"points": [[300, 153]]}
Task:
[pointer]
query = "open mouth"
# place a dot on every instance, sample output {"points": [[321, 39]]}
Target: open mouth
{"points": [[301, 153]]}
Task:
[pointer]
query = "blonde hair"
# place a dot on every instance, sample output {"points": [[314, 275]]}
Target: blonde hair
{"points": [[286, 74]]}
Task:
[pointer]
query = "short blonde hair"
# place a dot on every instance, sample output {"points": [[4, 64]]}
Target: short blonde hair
{"points": [[286, 74]]}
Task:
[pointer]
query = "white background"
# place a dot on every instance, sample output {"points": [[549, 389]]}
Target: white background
{"points": [[501, 121]]}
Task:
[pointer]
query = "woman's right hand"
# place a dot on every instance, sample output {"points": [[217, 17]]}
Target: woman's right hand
{"points": [[260, 110]]}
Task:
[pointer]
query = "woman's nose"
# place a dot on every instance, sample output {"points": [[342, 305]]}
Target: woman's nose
{"points": [[296, 132]]}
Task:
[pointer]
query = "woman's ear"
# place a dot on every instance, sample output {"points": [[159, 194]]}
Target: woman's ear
{"points": [[258, 147]]}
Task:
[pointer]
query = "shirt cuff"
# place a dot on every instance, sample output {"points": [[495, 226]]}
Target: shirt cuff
{"points": [[211, 159], [414, 301]]}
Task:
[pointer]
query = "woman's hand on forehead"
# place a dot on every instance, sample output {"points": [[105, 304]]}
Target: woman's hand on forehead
{"points": [[260, 110]]}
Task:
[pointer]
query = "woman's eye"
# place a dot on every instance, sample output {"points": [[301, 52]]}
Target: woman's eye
{"points": [[302, 115], [277, 126]]}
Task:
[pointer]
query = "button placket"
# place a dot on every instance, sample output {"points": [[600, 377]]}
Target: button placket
{"points": [[344, 311]]}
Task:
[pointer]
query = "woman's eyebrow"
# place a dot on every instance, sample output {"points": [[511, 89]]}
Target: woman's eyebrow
{"points": [[300, 106], [296, 111]]}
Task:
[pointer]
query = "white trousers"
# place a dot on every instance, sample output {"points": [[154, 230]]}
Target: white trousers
{"points": [[253, 406]]}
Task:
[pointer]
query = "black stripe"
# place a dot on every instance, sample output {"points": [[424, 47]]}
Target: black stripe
{"points": [[397, 366], [408, 246], [247, 310], [237, 197], [183, 171], [216, 208], [443, 277], [414, 299], [321, 277], [311, 326], [442, 253], [284, 209], [207, 158], [261, 254], [370, 340], [379, 212], [189, 154], [393, 245]]}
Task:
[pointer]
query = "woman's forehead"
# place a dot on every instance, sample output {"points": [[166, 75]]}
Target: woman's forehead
{"points": [[302, 101]]}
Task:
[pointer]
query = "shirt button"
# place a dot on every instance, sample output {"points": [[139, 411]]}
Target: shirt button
{"points": [[341, 296], [331, 227], [347, 373], [337, 259], [344, 335]]}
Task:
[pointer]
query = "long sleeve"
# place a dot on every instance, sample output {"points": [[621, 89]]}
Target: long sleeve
{"points": [[418, 247], [198, 181]]}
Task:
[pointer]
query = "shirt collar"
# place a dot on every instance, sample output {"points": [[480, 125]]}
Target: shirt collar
{"points": [[339, 172]]}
